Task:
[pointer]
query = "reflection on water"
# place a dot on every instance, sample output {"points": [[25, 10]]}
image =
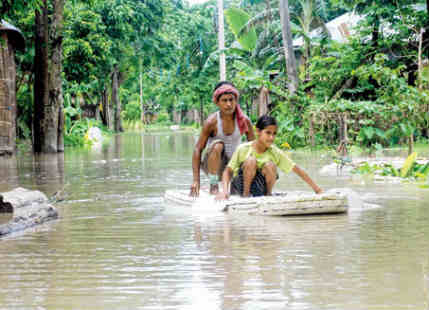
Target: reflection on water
{"points": [[118, 246], [8, 172], [5, 217], [39, 171]]}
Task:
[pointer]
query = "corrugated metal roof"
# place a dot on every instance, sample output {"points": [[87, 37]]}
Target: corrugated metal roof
{"points": [[14, 34], [339, 29], [342, 27]]}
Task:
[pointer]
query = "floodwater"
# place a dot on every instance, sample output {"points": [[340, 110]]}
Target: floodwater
{"points": [[117, 245]]}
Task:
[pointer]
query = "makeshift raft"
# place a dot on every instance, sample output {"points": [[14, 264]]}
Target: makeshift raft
{"points": [[281, 203]]}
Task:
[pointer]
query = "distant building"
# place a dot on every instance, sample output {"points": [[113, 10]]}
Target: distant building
{"points": [[11, 39], [342, 27]]}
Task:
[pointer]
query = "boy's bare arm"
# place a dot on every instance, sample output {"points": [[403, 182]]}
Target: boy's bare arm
{"points": [[307, 179]]}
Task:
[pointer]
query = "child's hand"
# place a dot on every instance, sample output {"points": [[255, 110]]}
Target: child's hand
{"points": [[195, 189], [221, 196], [318, 190]]}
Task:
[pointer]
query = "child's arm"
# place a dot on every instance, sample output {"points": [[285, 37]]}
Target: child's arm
{"points": [[226, 179], [307, 179]]}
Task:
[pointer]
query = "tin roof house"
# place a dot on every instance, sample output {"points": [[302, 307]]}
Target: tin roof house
{"points": [[342, 27]]}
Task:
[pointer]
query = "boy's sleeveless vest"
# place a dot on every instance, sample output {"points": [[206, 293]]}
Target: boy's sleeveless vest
{"points": [[231, 141]]}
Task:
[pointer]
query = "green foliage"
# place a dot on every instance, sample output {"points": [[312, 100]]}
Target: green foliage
{"points": [[85, 42], [290, 124], [75, 135], [163, 119], [381, 107], [366, 168], [410, 169], [408, 164], [133, 125], [236, 19], [132, 111], [171, 49]]}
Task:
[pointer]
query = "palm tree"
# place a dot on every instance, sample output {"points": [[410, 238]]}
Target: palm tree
{"points": [[290, 60], [308, 19]]}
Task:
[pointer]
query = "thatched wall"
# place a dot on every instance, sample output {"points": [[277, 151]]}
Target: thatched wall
{"points": [[10, 39]]}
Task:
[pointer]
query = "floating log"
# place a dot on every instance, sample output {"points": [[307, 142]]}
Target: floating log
{"points": [[28, 208]]}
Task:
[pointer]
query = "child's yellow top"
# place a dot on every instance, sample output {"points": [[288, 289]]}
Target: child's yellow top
{"points": [[273, 153]]}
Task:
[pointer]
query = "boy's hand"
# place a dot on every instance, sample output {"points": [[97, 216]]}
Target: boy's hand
{"points": [[221, 196], [318, 190]]}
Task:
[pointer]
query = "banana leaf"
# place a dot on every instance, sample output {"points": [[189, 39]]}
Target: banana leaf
{"points": [[236, 19], [408, 164]]}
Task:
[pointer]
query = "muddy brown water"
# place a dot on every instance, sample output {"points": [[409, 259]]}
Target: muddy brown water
{"points": [[118, 246]]}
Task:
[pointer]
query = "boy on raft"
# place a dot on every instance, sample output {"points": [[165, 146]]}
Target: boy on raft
{"points": [[221, 133], [253, 166]]}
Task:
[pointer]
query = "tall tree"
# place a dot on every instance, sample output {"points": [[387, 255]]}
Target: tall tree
{"points": [[127, 22], [286, 31], [48, 101], [288, 48]]}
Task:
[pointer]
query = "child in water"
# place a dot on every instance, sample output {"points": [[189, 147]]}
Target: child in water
{"points": [[253, 166]]}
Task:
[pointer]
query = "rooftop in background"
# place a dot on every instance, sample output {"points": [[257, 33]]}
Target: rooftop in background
{"points": [[342, 27], [15, 35]]}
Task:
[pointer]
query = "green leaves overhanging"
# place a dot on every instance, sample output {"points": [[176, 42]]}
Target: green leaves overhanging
{"points": [[236, 19]]}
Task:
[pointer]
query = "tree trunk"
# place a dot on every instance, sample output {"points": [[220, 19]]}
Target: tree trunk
{"points": [[306, 59], [48, 97], [410, 144], [115, 99], [56, 99], [287, 46], [419, 59], [143, 112], [426, 30], [264, 101], [221, 41], [106, 109], [375, 36], [41, 80]]}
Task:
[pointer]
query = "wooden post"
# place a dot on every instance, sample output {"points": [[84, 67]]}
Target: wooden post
{"points": [[312, 140], [410, 144], [143, 111], [345, 138]]}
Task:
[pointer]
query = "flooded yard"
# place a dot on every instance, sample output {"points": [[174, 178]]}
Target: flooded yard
{"points": [[117, 245]]}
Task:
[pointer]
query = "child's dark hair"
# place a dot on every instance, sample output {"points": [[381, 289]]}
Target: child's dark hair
{"points": [[264, 121], [223, 83]]}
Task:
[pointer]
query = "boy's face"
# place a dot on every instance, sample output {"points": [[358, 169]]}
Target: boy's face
{"points": [[227, 103], [267, 135]]}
